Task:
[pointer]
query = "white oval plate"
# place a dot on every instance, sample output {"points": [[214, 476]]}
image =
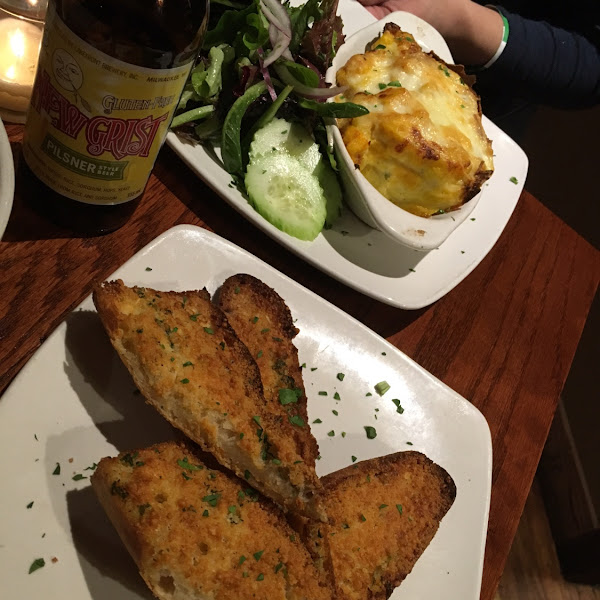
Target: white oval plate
{"points": [[366, 259], [7, 179], [365, 200], [74, 402]]}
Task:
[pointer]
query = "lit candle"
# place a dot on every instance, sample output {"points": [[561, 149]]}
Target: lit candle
{"points": [[19, 49]]}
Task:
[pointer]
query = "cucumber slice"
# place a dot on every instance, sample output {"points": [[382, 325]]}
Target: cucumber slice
{"points": [[332, 192], [286, 194], [282, 136]]}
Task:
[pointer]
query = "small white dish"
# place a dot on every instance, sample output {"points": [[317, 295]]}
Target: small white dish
{"points": [[365, 258], [74, 402], [7, 179], [364, 199]]}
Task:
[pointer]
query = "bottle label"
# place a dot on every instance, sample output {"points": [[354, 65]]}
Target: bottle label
{"points": [[95, 124]]}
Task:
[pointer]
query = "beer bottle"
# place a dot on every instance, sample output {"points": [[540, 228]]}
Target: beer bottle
{"points": [[109, 78]]}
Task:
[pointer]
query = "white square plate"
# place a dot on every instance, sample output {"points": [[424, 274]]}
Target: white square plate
{"points": [[74, 403], [366, 259]]}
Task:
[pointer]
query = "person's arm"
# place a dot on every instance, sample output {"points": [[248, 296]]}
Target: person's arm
{"points": [[473, 32], [547, 65], [541, 63]]}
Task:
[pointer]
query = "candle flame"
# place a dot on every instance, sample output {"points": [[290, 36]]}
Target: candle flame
{"points": [[17, 43]]}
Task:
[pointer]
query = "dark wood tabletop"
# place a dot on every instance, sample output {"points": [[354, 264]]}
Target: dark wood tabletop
{"points": [[504, 338]]}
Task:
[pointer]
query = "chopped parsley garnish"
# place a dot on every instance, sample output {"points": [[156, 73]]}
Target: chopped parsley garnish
{"points": [[382, 506], [278, 567], [371, 432], [354, 459], [341, 376], [382, 387], [317, 421], [411, 270], [35, 436], [185, 464], [236, 289], [260, 577], [38, 563], [148, 268], [343, 434], [258, 554], [336, 396], [296, 420], [363, 518], [265, 330], [194, 317], [289, 396], [184, 380], [277, 339], [331, 433], [254, 319], [399, 507], [247, 474], [380, 47], [259, 354], [242, 560], [56, 469], [314, 368], [276, 461], [188, 363], [335, 412], [30, 504], [205, 513], [322, 393], [209, 330], [384, 354], [382, 86], [399, 408], [409, 443], [394, 83], [185, 475], [514, 180], [78, 477], [242, 435], [212, 499], [472, 219], [231, 509], [368, 394]]}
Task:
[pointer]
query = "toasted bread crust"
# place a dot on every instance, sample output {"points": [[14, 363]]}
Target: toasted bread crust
{"points": [[190, 365], [188, 527], [263, 321], [382, 513]]}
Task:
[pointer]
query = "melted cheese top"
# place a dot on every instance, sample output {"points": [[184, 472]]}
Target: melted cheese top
{"points": [[422, 145]]}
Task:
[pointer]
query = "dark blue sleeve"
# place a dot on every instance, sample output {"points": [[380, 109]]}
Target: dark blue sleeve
{"points": [[548, 65]]}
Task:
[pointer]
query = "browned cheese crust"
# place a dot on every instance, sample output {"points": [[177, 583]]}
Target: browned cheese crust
{"points": [[189, 364], [422, 145], [201, 534], [263, 321], [383, 513]]}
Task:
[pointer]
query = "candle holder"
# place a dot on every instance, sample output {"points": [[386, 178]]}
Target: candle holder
{"points": [[21, 28]]}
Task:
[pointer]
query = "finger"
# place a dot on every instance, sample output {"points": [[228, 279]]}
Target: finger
{"points": [[379, 11]]}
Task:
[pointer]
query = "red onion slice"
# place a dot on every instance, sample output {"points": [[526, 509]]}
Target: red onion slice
{"points": [[266, 75], [277, 15]]}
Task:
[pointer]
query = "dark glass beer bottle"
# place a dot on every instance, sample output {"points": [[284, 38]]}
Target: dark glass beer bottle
{"points": [[108, 82]]}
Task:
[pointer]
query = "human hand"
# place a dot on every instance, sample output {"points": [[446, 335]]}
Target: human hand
{"points": [[473, 32], [443, 15]]}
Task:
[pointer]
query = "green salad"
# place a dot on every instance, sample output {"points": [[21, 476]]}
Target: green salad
{"points": [[258, 93]]}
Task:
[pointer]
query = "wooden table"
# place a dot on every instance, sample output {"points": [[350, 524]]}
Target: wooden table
{"points": [[504, 338]]}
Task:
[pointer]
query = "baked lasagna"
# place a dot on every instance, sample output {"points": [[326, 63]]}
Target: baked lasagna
{"points": [[422, 145]]}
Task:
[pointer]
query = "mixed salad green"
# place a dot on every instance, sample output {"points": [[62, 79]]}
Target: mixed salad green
{"points": [[258, 92]]}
